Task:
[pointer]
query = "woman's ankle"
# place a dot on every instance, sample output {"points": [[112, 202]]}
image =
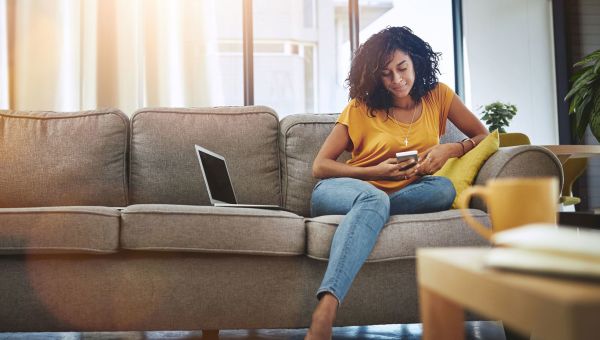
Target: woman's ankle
{"points": [[329, 301], [327, 307], [321, 325]]}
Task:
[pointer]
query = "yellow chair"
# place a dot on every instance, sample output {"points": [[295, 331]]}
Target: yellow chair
{"points": [[572, 167], [513, 138]]}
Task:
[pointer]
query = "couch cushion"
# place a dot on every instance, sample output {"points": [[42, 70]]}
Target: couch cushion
{"points": [[301, 138], [164, 167], [63, 159], [452, 134], [59, 230], [162, 227], [402, 235]]}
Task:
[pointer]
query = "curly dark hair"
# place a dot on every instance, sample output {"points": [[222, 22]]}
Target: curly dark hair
{"points": [[371, 58]]}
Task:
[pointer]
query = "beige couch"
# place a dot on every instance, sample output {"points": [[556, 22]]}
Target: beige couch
{"points": [[71, 261]]}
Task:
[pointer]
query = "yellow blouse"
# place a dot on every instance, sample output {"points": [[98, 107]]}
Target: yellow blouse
{"points": [[378, 138]]}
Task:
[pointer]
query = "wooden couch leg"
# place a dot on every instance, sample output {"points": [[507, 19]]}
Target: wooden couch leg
{"points": [[210, 334]]}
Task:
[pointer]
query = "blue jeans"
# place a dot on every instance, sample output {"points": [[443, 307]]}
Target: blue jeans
{"points": [[367, 209]]}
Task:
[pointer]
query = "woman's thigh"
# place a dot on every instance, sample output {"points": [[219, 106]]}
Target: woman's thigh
{"points": [[428, 194], [336, 196]]}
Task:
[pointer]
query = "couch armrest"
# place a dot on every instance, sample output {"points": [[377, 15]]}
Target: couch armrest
{"points": [[519, 161]]}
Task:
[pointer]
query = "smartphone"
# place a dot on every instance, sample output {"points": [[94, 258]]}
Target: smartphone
{"points": [[402, 156]]}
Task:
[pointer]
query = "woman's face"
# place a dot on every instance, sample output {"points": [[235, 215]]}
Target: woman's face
{"points": [[398, 76]]}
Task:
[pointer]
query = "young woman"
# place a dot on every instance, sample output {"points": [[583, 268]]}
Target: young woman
{"points": [[397, 104]]}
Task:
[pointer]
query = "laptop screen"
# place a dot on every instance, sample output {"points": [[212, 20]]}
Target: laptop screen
{"points": [[217, 178]]}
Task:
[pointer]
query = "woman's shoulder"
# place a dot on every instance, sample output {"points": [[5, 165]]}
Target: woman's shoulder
{"points": [[441, 88], [355, 111], [440, 93], [356, 104], [355, 107]]}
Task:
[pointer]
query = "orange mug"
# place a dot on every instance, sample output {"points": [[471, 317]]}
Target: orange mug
{"points": [[513, 202]]}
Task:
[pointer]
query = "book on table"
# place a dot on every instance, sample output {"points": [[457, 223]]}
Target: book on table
{"points": [[547, 248]]}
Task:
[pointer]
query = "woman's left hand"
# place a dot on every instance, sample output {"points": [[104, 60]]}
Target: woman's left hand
{"points": [[435, 158]]}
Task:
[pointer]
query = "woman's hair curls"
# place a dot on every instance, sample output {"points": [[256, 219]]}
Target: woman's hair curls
{"points": [[370, 59]]}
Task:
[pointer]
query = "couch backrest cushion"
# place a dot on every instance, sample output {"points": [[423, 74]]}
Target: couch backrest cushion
{"points": [[453, 134], [301, 138], [63, 159], [164, 167]]}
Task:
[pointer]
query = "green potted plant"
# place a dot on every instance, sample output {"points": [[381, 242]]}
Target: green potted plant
{"points": [[498, 115], [584, 96]]}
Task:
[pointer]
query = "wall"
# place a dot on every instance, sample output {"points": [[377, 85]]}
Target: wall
{"points": [[583, 20], [509, 56]]}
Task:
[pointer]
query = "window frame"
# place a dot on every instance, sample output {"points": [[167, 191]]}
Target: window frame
{"points": [[353, 12]]}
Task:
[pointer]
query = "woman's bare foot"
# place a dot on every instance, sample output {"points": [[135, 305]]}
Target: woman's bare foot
{"points": [[322, 319]]}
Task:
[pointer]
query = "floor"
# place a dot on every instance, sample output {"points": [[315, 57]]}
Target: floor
{"points": [[475, 330]]}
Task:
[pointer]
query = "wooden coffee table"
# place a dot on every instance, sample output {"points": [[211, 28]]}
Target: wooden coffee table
{"points": [[454, 279], [564, 152]]}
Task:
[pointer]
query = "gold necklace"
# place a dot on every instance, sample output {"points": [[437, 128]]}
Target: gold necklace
{"points": [[409, 125]]}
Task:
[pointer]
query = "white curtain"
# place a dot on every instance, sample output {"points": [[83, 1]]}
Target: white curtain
{"points": [[69, 55], [3, 57]]}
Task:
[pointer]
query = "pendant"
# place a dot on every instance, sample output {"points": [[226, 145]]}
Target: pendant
{"points": [[405, 141]]}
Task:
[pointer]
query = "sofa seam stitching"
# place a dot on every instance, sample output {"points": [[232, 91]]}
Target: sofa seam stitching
{"points": [[269, 111], [408, 221], [90, 114], [55, 212], [297, 217], [212, 251], [285, 178], [92, 250], [125, 155], [395, 258], [278, 152]]}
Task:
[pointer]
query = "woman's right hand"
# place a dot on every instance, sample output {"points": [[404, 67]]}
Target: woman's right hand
{"points": [[391, 170]]}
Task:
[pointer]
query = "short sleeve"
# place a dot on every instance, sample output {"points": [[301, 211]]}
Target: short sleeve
{"points": [[344, 117], [353, 117], [443, 97]]}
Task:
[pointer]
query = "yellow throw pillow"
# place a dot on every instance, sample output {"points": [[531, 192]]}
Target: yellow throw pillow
{"points": [[462, 171]]}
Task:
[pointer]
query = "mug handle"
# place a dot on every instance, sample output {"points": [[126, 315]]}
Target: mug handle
{"points": [[463, 204]]}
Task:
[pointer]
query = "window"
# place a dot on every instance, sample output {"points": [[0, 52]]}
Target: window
{"points": [[190, 52], [431, 20], [302, 48], [297, 50]]}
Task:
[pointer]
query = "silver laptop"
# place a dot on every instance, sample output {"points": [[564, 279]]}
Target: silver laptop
{"points": [[218, 183]]}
